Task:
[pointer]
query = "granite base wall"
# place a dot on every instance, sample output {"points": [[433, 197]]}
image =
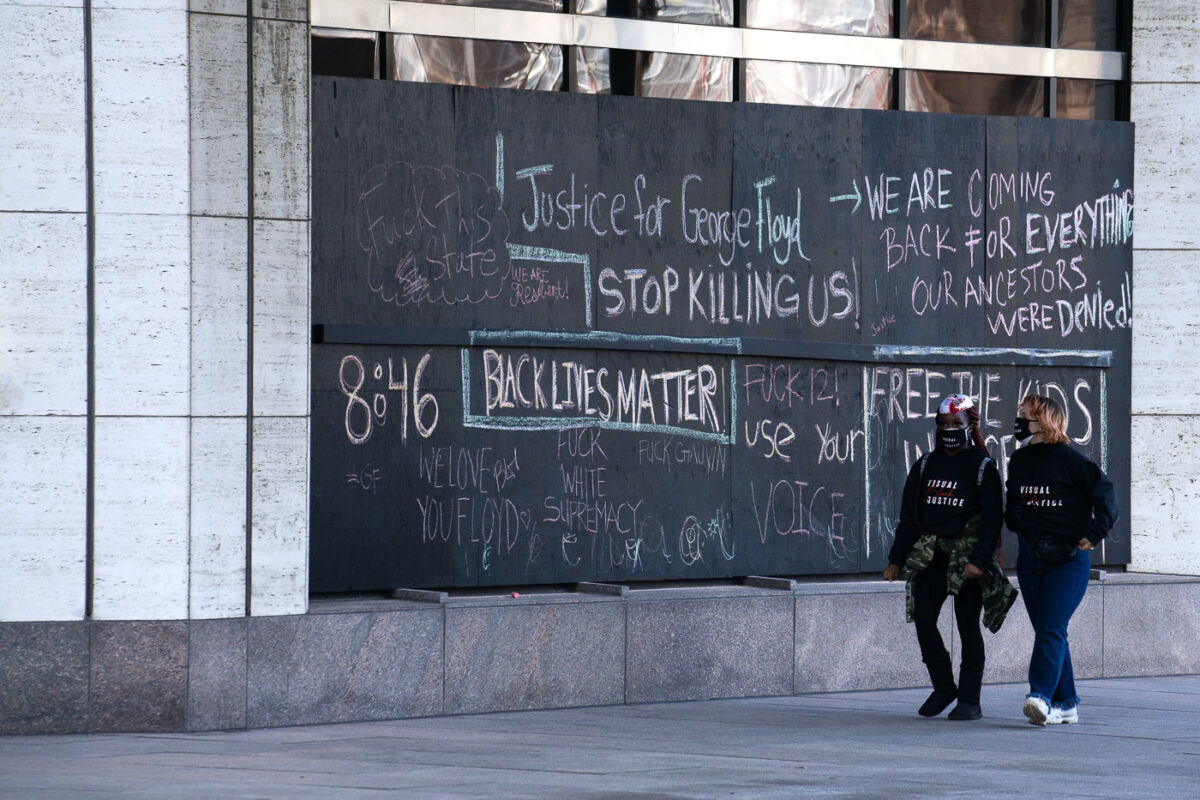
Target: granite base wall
{"points": [[354, 660]]}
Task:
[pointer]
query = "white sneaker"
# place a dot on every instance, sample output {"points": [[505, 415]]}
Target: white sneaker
{"points": [[1063, 716], [1036, 709]]}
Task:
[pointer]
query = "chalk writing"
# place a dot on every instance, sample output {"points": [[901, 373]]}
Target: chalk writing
{"points": [[690, 398], [431, 235], [361, 417], [624, 342], [695, 536]]}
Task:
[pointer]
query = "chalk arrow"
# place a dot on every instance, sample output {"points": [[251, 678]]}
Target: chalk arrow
{"points": [[856, 197]]}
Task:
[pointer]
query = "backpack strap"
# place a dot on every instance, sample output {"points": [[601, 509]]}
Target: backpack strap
{"points": [[917, 499], [982, 466]]}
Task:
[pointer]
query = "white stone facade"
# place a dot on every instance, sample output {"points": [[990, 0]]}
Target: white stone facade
{"points": [[198, 311], [198, 315]]}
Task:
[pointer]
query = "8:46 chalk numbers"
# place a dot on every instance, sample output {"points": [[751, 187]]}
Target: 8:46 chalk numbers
{"points": [[361, 416]]}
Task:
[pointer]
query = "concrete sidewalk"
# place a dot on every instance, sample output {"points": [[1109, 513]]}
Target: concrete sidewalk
{"points": [[1137, 737]]}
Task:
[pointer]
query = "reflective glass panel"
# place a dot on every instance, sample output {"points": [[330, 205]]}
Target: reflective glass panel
{"points": [[992, 22], [471, 62], [686, 77], [830, 85], [1087, 24], [1083, 99], [859, 17], [697, 12], [478, 62], [674, 75], [682, 77], [511, 5], [591, 70], [968, 93]]}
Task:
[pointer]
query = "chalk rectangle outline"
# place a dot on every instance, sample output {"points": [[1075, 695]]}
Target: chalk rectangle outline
{"points": [[546, 255], [555, 423]]}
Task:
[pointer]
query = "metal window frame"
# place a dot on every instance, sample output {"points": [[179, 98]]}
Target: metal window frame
{"points": [[467, 22]]}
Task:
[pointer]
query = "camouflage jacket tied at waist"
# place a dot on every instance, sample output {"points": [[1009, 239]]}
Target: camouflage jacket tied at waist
{"points": [[998, 593]]}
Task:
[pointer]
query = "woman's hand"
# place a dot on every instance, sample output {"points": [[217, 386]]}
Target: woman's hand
{"points": [[1084, 544], [971, 572], [891, 572]]}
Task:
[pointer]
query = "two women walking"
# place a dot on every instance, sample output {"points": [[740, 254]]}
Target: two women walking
{"points": [[1058, 502]]}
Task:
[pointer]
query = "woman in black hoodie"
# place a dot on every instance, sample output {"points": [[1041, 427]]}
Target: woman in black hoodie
{"points": [[950, 519], [1061, 504]]}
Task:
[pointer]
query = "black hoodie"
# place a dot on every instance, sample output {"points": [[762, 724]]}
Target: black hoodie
{"points": [[1053, 488], [951, 492]]}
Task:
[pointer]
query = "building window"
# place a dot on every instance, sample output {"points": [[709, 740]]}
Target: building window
{"points": [[656, 74], [854, 17], [1020, 22], [1083, 99], [1087, 24], [348, 54], [970, 93], [830, 85], [474, 62], [833, 53], [478, 62]]}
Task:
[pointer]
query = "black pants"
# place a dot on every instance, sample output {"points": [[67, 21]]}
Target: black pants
{"points": [[929, 593]]}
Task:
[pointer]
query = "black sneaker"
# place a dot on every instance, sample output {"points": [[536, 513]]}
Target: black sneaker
{"points": [[937, 702], [966, 711]]}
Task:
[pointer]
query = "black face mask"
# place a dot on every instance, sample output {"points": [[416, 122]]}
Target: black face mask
{"points": [[954, 437], [1021, 428]]}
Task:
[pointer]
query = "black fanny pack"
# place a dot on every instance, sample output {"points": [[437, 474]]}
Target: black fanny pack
{"points": [[1051, 549]]}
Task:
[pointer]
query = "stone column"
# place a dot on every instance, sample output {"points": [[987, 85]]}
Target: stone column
{"points": [[1166, 263], [43, 313]]}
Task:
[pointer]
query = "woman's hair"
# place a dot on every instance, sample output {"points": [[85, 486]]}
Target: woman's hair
{"points": [[1048, 413], [976, 434]]}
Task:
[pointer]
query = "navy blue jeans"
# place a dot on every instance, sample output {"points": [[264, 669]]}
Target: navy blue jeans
{"points": [[1052, 592]]}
